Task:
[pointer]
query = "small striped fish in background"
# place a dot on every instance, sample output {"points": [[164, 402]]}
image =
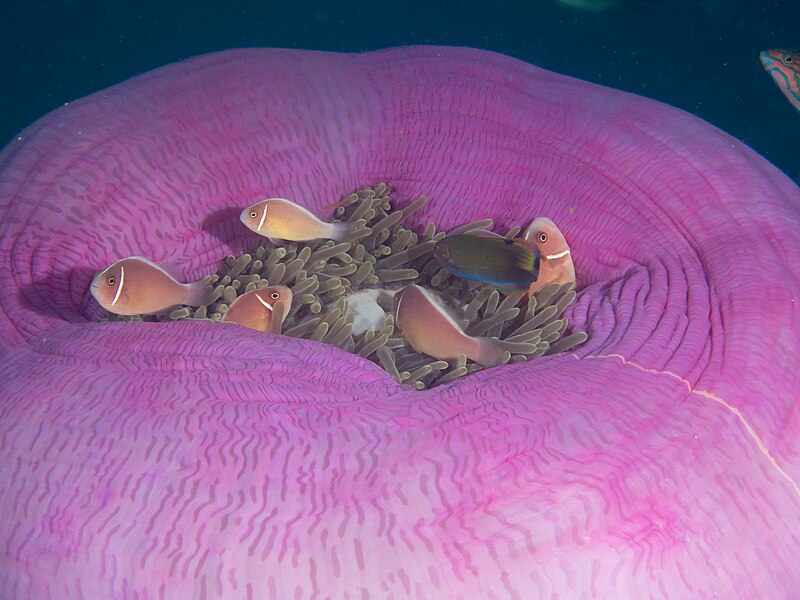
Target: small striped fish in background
{"points": [[784, 67]]}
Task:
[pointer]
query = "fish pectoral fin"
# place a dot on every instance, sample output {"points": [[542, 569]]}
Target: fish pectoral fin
{"points": [[279, 311]]}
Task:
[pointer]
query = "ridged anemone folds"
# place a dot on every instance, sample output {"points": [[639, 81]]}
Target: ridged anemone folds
{"points": [[190, 459]]}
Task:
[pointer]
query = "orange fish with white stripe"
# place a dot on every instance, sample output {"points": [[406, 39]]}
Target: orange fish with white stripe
{"points": [[556, 261], [258, 309], [428, 328], [137, 286], [278, 218]]}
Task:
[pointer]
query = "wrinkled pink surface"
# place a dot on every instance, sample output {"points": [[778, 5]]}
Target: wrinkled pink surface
{"points": [[193, 460]]}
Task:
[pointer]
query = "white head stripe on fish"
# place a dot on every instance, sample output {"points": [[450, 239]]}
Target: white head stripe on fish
{"points": [[121, 283], [559, 255], [399, 302], [263, 217], [264, 302]]}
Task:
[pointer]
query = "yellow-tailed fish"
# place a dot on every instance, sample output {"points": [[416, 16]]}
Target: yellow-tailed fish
{"points": [[428, 328], [494, 260], [262, 310], [137, 286], [556, 264], [784, 67], [278, 218]]}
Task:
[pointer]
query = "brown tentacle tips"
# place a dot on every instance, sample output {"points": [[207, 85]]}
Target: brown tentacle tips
{"points": [[383, 252]]}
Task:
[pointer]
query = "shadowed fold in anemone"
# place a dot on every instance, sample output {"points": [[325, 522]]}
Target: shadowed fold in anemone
{"points": [[190, 460]]}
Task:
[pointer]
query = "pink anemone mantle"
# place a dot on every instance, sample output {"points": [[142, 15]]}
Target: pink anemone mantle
{"points": [[194, 460]]}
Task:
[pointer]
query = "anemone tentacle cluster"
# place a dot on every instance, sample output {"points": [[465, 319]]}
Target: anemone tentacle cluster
{"points": [[323, 275]]}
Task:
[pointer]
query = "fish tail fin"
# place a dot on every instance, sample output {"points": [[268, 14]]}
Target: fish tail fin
{"points": [[348, 232], [528, 258], [197, 293], [489, 352]]}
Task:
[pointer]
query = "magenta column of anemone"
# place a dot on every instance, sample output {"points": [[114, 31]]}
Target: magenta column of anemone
{"points": [[194, 460]]}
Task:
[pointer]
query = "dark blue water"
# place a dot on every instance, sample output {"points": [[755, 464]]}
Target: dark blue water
{"points": [[701, 57]]}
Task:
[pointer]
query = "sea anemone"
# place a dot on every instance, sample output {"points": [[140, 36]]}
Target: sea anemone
{"points": [[325, 279], [190, 459]]}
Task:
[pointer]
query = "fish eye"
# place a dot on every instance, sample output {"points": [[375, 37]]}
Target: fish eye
{"points": [[253, 214], [542, 237], [788, 59], [275, 295], [111, 281]]}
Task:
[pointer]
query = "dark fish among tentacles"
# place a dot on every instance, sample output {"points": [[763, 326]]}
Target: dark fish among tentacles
{"points": [[784, 67], [493, 260]]}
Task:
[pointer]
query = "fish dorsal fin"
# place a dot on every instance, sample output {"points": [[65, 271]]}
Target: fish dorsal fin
{"points": [[456, 313], [169, 268], [443, 306], [295, 205], [485, 233]]}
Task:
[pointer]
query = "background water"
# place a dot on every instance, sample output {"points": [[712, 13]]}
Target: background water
{"points": [[699, 56]]}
